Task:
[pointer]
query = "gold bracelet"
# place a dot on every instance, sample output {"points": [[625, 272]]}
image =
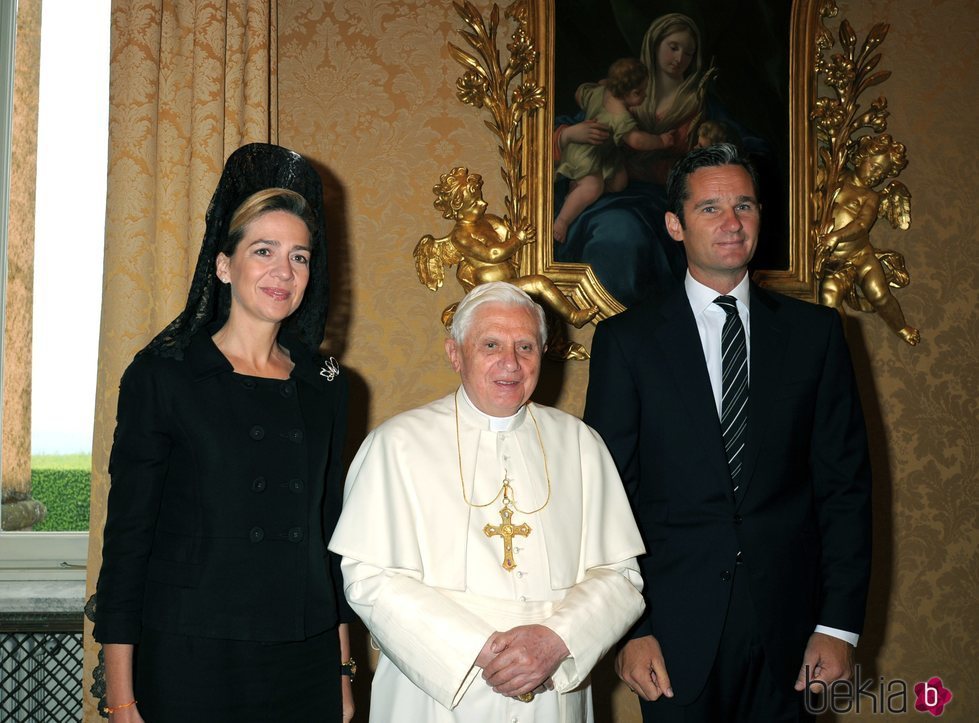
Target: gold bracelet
{"points": [[109, 710]]}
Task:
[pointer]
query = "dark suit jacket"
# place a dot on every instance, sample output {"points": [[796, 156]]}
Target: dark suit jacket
{"points": [[225, 490], [803, 520]]}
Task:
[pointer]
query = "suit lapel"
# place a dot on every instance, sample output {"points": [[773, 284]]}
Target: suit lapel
{"points": [[766, 356], [678, 333]]}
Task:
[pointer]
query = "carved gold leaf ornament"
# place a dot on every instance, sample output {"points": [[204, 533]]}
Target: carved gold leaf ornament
{"points": [[486, 247], [487, 83], [851, 164]]}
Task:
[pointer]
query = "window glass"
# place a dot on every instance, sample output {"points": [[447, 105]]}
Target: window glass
{"points": [[69, 225]]}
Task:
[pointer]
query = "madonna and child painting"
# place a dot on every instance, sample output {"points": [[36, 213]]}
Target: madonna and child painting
{"points": [[637, 85]]}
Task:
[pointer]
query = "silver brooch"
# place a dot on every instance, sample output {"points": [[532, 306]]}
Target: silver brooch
{"points": [[331, 368]]}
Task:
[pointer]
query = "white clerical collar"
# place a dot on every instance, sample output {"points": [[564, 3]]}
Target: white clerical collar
{"points": [[494, 424], [702, 297]]}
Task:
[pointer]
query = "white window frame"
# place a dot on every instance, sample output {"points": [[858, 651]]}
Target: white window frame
{"points": [[25, 555]]}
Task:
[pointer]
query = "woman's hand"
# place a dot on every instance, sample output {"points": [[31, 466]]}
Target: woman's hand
{"points": [[126, 715], [346, 681], [119, 683], [347, 690]]}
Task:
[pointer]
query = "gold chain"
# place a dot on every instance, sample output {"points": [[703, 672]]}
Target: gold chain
{"points": [[505, 489]]}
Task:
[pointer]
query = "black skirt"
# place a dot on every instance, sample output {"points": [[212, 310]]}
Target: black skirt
{"points": [[181, 679]]}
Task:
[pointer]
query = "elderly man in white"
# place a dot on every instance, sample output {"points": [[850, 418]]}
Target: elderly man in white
{"points": [[487, 542]]}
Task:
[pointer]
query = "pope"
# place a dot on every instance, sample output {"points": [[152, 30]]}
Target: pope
{"points": [[487, 541]]}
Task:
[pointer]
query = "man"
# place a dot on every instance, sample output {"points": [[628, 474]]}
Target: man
{"points": [[483, 535], [748, 474]]}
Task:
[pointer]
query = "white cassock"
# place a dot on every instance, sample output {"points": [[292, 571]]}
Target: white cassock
{"points": [[429, 584]]}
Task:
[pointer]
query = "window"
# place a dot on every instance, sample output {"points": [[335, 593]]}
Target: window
{"points": [[58, 260]]}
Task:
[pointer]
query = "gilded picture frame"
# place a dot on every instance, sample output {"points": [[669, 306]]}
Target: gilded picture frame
{"points": [[793, 275]]}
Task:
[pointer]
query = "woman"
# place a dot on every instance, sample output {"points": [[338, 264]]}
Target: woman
{"points": [[217, 598], [675, 94], [622, 235]]}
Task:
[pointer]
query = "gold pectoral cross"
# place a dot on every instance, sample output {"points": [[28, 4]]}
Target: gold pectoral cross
{"points": [[506, 529]]}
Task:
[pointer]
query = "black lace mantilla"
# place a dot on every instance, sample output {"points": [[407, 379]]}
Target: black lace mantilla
{"points": [[249, 169]]}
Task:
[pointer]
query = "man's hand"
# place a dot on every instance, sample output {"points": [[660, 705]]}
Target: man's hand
{"points": [[828, 659], [526, 657], [640, 665], [489, 651]]}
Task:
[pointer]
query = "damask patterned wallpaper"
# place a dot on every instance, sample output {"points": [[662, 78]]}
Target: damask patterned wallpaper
{"points": [[366, 88], [923, 618]]}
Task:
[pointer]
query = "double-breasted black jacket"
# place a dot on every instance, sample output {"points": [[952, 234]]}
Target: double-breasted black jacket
{"points": [[224, 491], [802, 519]]}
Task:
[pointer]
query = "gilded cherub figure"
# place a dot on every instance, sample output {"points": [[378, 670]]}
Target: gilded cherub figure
{"points": [[848, 267], [484, 248]]}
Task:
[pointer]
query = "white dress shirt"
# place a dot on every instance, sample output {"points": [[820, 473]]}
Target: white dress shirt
{"points": [[710, 321]]}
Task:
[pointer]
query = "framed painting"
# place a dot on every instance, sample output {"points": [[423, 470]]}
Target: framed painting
{"points": [[747, 78]]}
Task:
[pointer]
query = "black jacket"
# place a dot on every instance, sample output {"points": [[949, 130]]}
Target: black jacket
{"points": [[802, 520], [225, 490]]}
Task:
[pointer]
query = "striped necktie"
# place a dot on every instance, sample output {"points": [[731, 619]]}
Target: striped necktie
{"points": [[734, 387]]}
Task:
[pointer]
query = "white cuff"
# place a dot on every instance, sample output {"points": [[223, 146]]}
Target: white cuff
{"points": [[851, 638]]}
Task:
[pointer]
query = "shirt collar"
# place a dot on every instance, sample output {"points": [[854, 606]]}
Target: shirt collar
{"points": [[485, 421], [702, 297]]}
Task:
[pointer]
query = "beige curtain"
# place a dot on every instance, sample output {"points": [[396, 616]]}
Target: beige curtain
{"points": [[191, 80]]}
